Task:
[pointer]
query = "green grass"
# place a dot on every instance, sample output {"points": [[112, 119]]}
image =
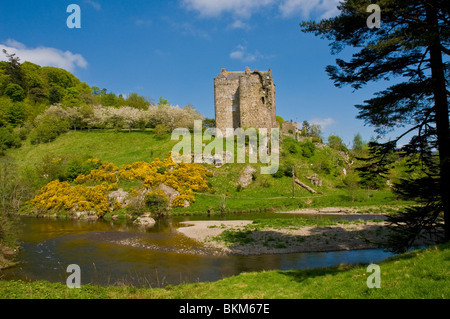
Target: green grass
{"points": [[115, 147], [264, 193], [417, 274], [243, 236]]}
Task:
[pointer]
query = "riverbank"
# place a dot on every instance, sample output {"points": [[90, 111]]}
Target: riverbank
{"points": [[420, 274], [245, 237], [6, 257]]}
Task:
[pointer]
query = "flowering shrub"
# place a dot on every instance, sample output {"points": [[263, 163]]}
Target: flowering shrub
{"points": [[183, 176], [186, 178], [60, 196], [187, 195], [106, 172]]}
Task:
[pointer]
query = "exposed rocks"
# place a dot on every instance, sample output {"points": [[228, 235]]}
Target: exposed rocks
{"points": [[172, 193], [118, 196], [7, 257], [86, 215], [246, 177], [218, 159], [145, 220], [315, 180]]}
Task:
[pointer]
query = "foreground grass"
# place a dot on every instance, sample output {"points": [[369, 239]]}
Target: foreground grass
{"points": [[418, 274]]}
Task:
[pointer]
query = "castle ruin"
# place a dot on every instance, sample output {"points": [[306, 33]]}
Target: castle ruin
{"points": [[245, 99]]}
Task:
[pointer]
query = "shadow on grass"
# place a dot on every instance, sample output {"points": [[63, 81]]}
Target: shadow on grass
{"points": [[301, 275], [316, 239]]}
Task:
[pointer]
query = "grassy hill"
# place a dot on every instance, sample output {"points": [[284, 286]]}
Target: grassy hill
{"points": [[266, 192], [116, 147]]}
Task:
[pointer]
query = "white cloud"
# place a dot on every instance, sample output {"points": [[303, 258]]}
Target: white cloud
{"points": [[238, 24], [97, 6], [245, 8], [242, 54], [213, 8], [322, 122], [44, 56], [327, 8]]}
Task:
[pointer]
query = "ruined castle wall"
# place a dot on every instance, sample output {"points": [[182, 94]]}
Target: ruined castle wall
{"points": [[245, 99], [256, 101], [290, 128], [226, 95]]}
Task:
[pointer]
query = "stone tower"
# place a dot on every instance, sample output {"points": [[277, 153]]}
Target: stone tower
{"points": [[244, 99]]}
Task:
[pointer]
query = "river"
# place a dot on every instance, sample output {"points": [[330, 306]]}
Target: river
{"points": [[49, 246]]}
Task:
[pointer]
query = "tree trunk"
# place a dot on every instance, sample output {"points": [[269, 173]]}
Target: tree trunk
{"points": [[309, 189], [441, 111]]}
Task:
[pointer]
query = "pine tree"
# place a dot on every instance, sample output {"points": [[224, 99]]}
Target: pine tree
{"points": [[412, 46]]}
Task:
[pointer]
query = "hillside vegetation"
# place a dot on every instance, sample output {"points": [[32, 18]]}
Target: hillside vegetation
{"points": [[65, 158], [55, 130]]}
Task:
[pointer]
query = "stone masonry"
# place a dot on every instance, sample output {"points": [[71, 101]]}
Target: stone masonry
{"points": [[245, 99]]}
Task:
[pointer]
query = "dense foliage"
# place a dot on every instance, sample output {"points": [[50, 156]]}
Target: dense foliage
{"points": [[90, 192], [411, 45], [43, 102]]}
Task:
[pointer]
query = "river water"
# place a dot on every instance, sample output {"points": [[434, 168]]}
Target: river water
{"points": [[49, 246]]}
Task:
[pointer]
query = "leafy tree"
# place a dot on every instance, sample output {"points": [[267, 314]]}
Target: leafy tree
{"points": [[162, 101], [8, 139], [336, 143], [136, 101], [15, 92], [13, 69], [49, 127], [16, 114], [351, 183], [59, 77], [410, 45], [209, 123], [160, 131], [358, 145], [305, 128], [280, 121], [37, 94], [109, 99], [96, 90], [56, 94], [315, 130]]}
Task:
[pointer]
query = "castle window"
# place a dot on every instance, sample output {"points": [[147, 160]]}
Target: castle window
{"points": [[233, 108], [263, 100]]}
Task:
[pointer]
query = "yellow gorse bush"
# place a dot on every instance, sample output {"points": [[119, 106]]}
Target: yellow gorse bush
{"points": [[106, 172], [60, 196], [186, 178]]}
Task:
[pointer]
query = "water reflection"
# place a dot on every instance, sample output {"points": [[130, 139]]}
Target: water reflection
{"points": [[49, 246]]}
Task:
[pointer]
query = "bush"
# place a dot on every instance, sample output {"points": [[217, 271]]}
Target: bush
{"points": [[308, 149], [49, 127], [160, 131], [15, 92], [52, 168], [157, 202], [8, 139], [59, 196], [78, 166]]}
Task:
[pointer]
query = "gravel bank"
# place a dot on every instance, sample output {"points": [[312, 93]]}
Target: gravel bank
{"points": [[280, 241]]}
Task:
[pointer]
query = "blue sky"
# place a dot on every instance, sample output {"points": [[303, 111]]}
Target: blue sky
{"points": [[175, 49]]}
